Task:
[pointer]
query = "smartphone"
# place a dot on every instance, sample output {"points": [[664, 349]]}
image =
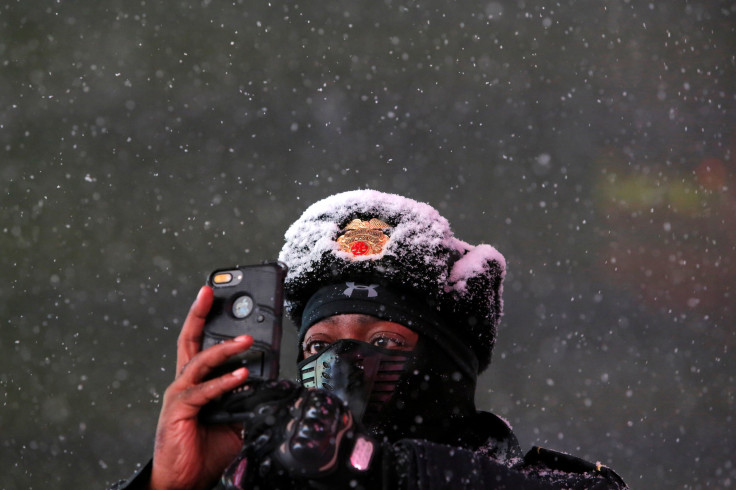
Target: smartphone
{"points": [[247, 300]]}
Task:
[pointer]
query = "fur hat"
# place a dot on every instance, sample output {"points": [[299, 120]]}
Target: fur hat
{"points": [[406, 245]]}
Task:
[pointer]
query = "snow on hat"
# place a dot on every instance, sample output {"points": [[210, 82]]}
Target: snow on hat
{"points": [[405, 244]]}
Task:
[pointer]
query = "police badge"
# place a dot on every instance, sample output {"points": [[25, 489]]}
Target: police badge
{"points": [[364, 237]]}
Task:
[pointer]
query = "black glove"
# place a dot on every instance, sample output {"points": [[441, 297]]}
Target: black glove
{"points": [[299, 438]]}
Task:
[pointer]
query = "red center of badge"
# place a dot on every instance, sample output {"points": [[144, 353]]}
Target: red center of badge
{"points": [[359, 248]]}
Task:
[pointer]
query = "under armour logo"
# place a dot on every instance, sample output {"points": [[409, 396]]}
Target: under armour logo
{"points": [[372, 293]]}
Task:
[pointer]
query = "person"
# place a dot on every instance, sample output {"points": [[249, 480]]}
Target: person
{"points": [[396, 318]]}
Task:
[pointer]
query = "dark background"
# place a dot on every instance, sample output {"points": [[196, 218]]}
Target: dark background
{"points": [[143, 144]]}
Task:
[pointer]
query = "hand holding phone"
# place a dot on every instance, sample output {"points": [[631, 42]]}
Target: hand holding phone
{"points": [[248, 300]]}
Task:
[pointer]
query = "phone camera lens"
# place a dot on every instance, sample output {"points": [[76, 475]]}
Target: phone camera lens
{"points": [[242, 307]]}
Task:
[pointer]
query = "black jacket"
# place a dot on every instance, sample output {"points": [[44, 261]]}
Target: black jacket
{"points": [[487, 455]]}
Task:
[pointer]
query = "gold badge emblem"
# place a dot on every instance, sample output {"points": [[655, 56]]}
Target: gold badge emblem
{"points": [[363, 237]]}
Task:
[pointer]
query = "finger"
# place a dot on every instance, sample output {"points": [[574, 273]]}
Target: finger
{"points": [[190, 338], [205, 361], [196, 396], [200, 394]]}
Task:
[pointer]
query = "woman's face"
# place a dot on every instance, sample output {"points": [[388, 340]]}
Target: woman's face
{"points": [[365, 328]]}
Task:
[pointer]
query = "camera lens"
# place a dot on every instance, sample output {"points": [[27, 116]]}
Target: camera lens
{"points": [[242, 307]]}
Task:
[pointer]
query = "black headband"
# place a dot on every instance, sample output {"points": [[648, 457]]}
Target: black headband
{"points": [[374, 299]]}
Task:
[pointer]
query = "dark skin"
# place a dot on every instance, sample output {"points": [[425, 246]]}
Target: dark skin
{"points": [[191, 455], [188, 454], [381, 333]]}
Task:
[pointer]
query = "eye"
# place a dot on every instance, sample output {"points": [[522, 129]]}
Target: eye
{"points": [[312, 347], [390, 342]]}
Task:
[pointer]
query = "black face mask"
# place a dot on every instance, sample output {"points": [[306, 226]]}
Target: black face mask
{"points": [[361, 374], [396, 394]]}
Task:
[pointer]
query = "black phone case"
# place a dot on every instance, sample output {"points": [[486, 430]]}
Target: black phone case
{"points": [[251, 303], [263, 284]]}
